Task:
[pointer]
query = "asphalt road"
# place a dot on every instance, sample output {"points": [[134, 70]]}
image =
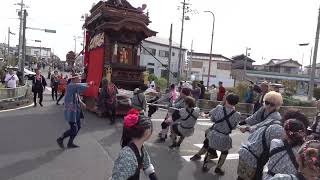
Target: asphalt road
{"points": [[28, 150]]}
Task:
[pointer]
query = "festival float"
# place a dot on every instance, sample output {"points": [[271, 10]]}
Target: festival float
{"points": [[114, 32]]}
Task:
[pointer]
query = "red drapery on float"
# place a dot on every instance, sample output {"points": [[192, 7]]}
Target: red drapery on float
{"points": [[95, 68]]}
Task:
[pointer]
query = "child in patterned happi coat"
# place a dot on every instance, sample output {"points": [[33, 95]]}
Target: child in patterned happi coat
{"points": [[184, 126], [133, 156], [173, 114], [283, 151], [225, 119], [253, 155], [308, 159]]}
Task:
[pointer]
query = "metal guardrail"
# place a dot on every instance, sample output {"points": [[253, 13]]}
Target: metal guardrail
{"points": [[12, 94]]}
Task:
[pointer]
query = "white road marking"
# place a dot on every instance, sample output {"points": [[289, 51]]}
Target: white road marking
{"points": [[8, 110], [204, 123], [160, 120], [229, 157], [49, 88]]}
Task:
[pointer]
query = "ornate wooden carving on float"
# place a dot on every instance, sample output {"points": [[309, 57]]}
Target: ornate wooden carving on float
{"points": [[123, 28], [115, 30]]}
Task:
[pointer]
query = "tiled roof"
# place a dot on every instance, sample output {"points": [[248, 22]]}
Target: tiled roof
{"points": [[241, 57], [163, 41], [281, 61]]}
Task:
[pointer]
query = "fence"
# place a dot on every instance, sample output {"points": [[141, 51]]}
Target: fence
{"points": [[12, 94], [247, 109]]}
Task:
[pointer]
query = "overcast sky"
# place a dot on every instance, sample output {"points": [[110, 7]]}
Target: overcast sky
{"points": [[271, 28]]}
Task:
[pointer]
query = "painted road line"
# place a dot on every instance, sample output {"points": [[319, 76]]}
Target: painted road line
{"points": [[204, 123], [24, 107], [49, 88], [229, 157], [160, 120]]}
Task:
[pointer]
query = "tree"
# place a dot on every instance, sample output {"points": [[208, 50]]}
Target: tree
{"points": [[290, 87], [162, 83], [71, 57], [152, 77]]}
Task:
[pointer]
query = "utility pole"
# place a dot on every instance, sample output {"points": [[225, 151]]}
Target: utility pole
{"points": [[170, 55], [210, 59], [23, 44], [20, 31], [311, 85], [8, 43], [75, 44], [245, 63], [190, 61], [181, 39]]}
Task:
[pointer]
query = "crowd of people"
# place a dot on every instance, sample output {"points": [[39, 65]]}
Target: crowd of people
{"points": [[285, 144]]}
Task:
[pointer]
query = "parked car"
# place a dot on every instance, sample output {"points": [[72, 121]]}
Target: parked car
{"points": [[28, 74]]}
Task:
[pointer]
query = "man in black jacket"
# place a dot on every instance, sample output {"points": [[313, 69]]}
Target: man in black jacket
{"points": [[203, 90], [38, 86]]}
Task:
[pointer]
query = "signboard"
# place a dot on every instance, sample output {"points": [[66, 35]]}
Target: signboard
{"points": [[97, 41]]}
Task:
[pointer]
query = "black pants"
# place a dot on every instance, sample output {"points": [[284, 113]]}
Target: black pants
{"points": [[54, 92], [39, 94], [61, 96], [111, 110], [73, 131]]}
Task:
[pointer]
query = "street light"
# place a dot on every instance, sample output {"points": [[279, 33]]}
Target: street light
{"points": [[303, 45], [209, 71], [9, 33], [75, 42]]}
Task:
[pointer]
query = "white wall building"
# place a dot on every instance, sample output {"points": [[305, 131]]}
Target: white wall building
{"points": [[35, 52], [159, 47], [220, 68]]}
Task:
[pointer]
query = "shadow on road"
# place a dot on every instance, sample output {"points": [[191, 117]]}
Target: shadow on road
{"points": [[27, 165]]}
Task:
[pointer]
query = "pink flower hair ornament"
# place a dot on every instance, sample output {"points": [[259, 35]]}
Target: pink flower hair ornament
{"points": [[131, 120]]}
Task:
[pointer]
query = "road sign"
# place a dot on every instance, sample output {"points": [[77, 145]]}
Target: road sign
{"points": [[50, 31]]}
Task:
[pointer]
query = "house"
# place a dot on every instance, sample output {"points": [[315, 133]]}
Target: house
{"points": [[287, 66], [239, 61], [42, 53], [220, 68], [155, 56], [307, 70]]}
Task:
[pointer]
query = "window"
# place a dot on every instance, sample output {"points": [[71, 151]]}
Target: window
{"points": [[150, 64], [151, 70], [163, 53], [173, 54], [151, 50], [164, 73], [36, 52], [224, 66], [287, 69], [197, 64]]}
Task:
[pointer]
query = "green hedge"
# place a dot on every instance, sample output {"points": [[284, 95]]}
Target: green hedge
{"points": [[290, 101]]}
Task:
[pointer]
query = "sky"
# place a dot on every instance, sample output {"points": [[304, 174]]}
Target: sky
{"points": [[271, 28]]}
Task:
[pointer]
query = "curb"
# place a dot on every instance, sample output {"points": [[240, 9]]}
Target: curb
{"points": [[14, 109]]}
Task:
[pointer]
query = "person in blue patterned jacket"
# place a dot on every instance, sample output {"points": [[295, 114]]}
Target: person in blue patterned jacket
{"points": [[308, 159], [72, 110]]}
